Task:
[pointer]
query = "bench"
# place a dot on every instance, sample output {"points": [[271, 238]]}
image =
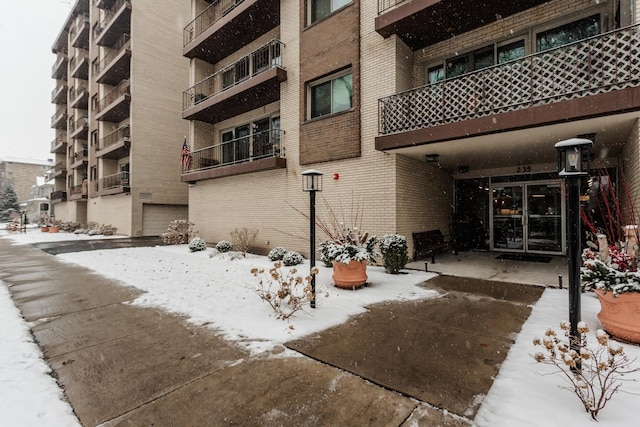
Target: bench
{"points": [[429, 243]]}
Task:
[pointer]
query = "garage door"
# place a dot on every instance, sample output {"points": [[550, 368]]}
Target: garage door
{"points": [[156, 218]]}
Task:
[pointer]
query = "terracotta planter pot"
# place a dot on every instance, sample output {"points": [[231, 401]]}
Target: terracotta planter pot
{"points": [[350, 276], [44, 229], [620, 316], [54, 229]]}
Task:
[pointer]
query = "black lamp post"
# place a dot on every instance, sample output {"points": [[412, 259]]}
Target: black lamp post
{"points": [[573, 164], [312, 182]]}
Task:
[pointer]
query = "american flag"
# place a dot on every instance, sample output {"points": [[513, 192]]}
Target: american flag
{"points": [[185, 155]]}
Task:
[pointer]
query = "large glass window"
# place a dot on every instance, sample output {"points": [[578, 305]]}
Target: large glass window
{"points": [[568, 33], [331, 95], [511, 51], [318, 9]]}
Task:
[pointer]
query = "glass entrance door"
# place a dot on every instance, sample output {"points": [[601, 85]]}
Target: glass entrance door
{"points": [[528, 217]]}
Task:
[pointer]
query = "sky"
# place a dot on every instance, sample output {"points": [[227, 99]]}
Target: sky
{"points": [[524, 393], [28, 28]]}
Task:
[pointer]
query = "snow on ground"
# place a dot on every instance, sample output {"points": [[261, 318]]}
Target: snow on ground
{"points": [[216, 290]]}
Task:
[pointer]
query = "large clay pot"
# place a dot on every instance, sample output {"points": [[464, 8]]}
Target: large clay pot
{"points": [[44, 229], [620, 316], [350, 276], [54, 229]]}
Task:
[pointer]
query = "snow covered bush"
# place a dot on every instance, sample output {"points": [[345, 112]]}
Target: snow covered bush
{"points": [[286, 292], [223, 246], [593, 372], [395, 252], [178, 233], [292, 258], [276, 254], [197, 244], [108, 230]]}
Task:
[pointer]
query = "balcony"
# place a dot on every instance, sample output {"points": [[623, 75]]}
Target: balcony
{"points": [[79, 160], [79, 192], [59, 119], [115, 145], [420, 23], [228, 25], [80, 128], [59, 145], [113, 184], [104, 4], [59, 68], [79, 97], [79, 32], [247, 84], [114, 66], [58, 197], [58, 171], [114, 107], [258, 152], [116, 21], [79, 65], [59, 94], [595, 77]]}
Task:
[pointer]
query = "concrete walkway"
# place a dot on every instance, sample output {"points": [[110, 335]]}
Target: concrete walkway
{"points": [[421, 363]]}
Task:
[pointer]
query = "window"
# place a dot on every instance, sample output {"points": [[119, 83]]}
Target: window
{"points": [[318, 9], [331, 95], [568, 33], [511, 51], [257, 139]]}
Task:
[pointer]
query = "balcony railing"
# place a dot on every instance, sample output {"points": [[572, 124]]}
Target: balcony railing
{"points": [[60, 116], [78, 91], [253, 147], [56, 69], [77, 59], [60, 141], [122, 43], [117, 135], [118, 180], [115, 93], [258, 61], [384, 5], [109, 15], [207, 18], [58, 196], [599, 64], [78, 191]]}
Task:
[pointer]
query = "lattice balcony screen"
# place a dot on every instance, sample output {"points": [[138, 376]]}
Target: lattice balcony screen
{"points": [[599, 64]]}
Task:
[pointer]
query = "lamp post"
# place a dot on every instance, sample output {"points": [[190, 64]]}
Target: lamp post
{"points": [[573, 164], [311, 183]]}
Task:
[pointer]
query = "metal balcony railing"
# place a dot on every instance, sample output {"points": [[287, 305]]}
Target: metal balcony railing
{"points": [[122, 43], [258, 61], [598, 64], [78, 91], [207, 18], [121, 89], [60, 59], [60, 139], [384, 5], [77, 59], [79, 190], [252, 147], [110, 13], [118, 180], [60, 114], [120, 134]]}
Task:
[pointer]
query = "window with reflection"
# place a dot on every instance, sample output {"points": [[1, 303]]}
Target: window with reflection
{"points": [[318, 9], [331, 95], [568, 33]]}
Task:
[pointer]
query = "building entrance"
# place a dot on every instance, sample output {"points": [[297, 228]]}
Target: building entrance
{"points": [[527, 217]]}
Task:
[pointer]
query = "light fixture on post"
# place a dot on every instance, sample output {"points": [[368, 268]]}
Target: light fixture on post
{"points": [[573, 164], [432, 158], [311, 183]]}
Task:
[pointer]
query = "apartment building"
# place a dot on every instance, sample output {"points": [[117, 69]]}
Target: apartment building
{"points": [[22, 174], [421, 114], [119, 73]]}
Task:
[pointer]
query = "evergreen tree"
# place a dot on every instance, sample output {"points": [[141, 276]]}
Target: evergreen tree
{"points": [[8, 202]]}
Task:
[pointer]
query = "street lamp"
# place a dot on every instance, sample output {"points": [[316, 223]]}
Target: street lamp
{"points": [[311, 183], [573, 164]]}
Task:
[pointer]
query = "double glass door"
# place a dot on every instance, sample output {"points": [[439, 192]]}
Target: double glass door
{"points": [[528, 217]]}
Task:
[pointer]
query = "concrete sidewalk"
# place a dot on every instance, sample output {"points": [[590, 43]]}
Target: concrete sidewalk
{"points": [[121, 364]]}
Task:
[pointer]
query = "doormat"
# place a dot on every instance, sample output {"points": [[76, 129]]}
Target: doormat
{"points": [[525, 257]]}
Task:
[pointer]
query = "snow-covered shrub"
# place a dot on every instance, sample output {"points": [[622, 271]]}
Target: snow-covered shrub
{"points": [[593, 372], [276, 254], [108, 230], [197, 244], [292, 258], [395, 252], [94, 232], [286, 293], [224, 246], [178, 233], [78, 231]]}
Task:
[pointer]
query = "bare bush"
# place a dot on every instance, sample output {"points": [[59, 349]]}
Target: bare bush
{"points": [[244, 239]]}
